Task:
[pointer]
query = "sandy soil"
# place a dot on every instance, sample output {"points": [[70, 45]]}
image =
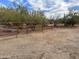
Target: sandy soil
{"points": [[58, 43]]}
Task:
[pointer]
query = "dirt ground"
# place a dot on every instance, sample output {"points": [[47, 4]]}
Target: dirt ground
{"points": [[57, 43]]}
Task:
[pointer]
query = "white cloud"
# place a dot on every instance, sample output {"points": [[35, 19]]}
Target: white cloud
{"points": [[17, 1], [55, 7], [2, 5]]}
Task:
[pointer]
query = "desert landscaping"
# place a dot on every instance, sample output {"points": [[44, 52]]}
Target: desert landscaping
{"points": [[29, 34], [56, 43]]}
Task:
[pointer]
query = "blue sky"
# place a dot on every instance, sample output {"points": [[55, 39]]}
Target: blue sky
{"points": [[50, 7]]}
